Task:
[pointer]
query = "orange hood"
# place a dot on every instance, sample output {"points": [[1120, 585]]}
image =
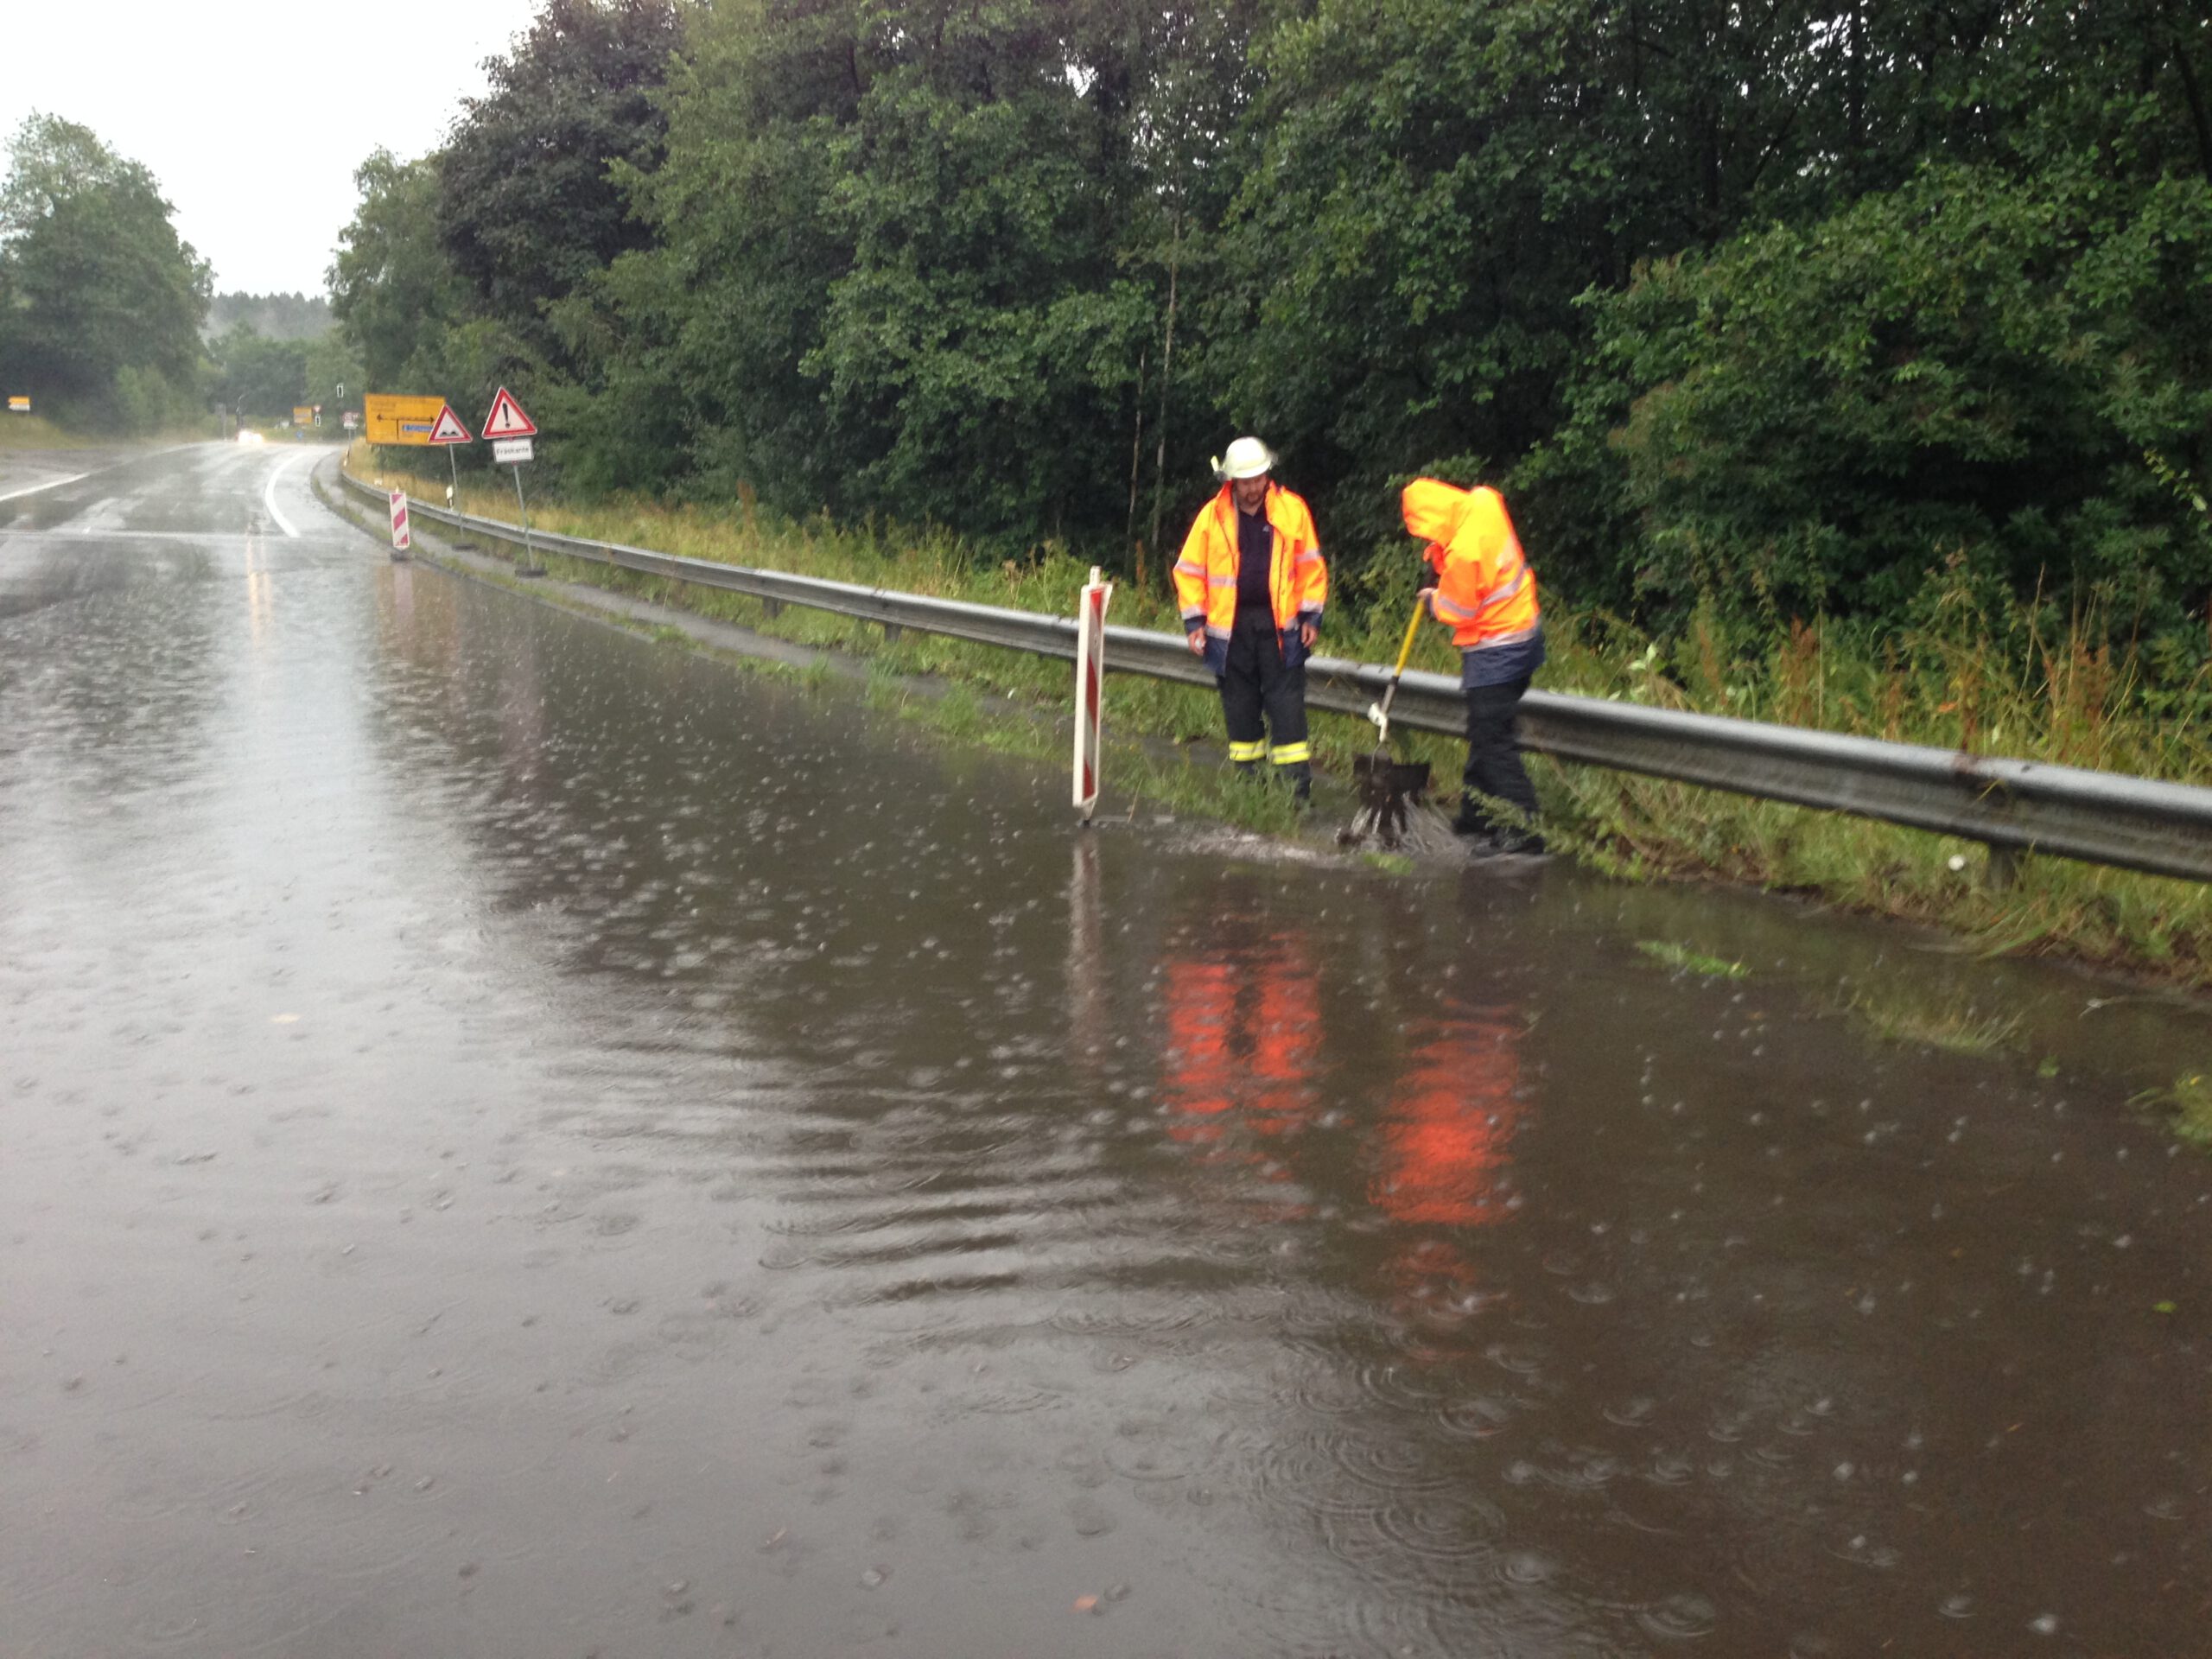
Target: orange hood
{"points": [[1433, 510]]}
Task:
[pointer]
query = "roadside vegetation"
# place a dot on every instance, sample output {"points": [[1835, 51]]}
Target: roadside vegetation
{"points": [[2187, 1105], [104, 308], [36, 432], [100, 302], [1958, 680], [1797, 314]]}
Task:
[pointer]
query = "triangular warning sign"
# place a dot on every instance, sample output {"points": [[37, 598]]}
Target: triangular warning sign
{"points": [[449, 428], [506, 419]]}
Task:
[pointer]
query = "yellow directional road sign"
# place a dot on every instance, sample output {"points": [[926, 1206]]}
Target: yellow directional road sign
{"points": [[391, 418]]}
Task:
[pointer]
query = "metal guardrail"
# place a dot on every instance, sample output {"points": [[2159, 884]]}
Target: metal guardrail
{"points": [[2012, 806]]}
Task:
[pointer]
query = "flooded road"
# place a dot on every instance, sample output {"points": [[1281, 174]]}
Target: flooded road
{"points": [[515, 1140]]}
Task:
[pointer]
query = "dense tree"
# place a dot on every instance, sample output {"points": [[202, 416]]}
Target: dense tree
{"points": [[691, 350], [1770, 309], [336, 377], [1994, 353], [978, 353], [1963, 368], [392, 288], [911, 258], [100, 302], [259, 378], [528, 205], [273, 317]]}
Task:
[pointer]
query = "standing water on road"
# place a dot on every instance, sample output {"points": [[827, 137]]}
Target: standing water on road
{"points": [[518, 1141]]}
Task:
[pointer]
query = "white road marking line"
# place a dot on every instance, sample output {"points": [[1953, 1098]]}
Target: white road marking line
{"points": [[143, 455], [268, 495], [81, 533], [51, 484]]}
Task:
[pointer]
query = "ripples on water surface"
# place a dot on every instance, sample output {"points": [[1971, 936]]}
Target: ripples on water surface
{"points": [[519, 1142]]}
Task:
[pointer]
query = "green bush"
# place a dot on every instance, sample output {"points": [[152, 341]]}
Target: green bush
{"points": [[1968, 379]]}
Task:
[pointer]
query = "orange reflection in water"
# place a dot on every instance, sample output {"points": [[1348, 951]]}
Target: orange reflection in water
{"points": [[1244, 1018], [1442, 1150], [1243, 1039], [1442, 1164]]}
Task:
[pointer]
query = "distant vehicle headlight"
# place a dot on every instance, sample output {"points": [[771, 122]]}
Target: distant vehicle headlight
{"points": [[247, 435]]}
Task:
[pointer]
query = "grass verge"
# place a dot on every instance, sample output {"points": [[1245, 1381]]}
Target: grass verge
{"points": [[2187, 1105], [1682, 959], [1909, 1018], [36, 432], [21, 432]]}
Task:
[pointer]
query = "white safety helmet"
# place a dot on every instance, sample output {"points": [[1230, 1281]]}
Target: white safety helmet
{"points": [[1247, 457]]}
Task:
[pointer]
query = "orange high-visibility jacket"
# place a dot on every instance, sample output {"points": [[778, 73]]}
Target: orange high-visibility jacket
{"points": [[1485, 592], [1206, 576]]}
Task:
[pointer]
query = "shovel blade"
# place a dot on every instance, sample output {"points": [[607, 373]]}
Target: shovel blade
{"points": [[1378, 774], [1387, 787]]}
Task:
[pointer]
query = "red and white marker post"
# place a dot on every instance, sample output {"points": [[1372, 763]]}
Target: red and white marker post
{"points": [[400, 539], [1090, 700]]}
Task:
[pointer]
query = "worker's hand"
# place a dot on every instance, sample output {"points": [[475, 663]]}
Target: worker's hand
{"points": [[1198, 642], [1307, 633]]}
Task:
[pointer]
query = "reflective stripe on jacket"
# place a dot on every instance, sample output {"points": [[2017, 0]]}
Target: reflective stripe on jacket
{"points": [[1485, 592], [1205, 575]]}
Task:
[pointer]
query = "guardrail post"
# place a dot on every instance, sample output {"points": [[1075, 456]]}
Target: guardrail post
{"points": [[891, 633], [2003, 870], [774, 607]]}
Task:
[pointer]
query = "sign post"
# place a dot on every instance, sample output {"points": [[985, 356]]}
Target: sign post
{"points": [[510, 431], [447, 431], [402, 541], [1089, 670]]}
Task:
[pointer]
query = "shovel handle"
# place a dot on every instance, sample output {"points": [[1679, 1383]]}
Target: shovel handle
{"points": [[1406, 650], [1382, 713]]}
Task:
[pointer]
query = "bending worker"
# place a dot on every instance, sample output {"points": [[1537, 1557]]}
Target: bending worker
{"points": [[1252, 585], [1480, 586]]}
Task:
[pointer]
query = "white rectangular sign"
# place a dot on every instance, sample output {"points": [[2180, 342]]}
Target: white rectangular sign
{"points": [[506, 451]]}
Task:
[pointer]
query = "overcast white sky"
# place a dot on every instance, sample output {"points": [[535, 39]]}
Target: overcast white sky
{"points": [[203, 91]]}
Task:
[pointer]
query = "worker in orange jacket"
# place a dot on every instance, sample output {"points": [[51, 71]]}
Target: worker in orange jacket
{"points": [[1252, 586], [1479, 586]]}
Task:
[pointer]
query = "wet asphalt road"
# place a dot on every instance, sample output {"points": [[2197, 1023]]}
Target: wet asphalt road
{"points": [[515, 1140]]}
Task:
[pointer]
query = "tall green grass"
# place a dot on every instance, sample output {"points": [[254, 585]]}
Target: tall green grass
{"points": [[36, 432], [1975, 672]]}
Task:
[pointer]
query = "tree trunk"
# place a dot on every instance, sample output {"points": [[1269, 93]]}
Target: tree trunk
{"points": [[1166, 380], [1136, 444], [2195, 96]]}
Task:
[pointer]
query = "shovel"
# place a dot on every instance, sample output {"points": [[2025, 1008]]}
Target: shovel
{"points": [[1387, 787]]}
